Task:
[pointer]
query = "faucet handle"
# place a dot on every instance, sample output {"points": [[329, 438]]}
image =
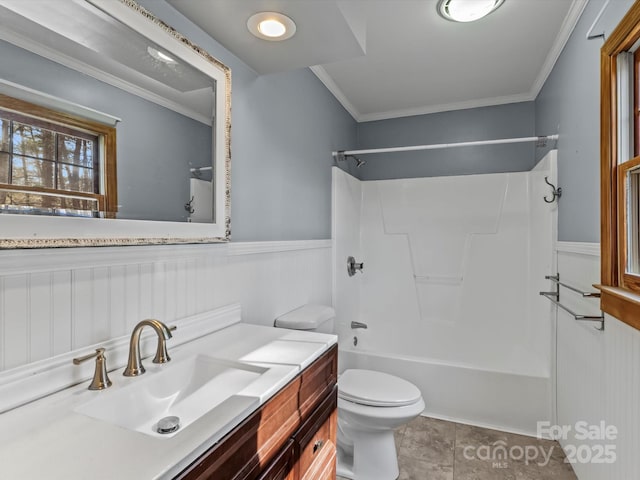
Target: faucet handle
{"points": [[353, 266], [100, 378]]}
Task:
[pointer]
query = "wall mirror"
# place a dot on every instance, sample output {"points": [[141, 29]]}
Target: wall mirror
{"points": [[74, 69]]}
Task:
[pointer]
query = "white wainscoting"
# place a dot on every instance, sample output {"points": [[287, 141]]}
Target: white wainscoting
{"points": [[598, 373], [56, 301], [622, 396]]}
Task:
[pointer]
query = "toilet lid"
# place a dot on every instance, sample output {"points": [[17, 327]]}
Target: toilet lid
{"points": [[376, 389]]}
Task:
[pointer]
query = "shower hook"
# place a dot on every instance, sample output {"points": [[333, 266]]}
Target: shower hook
{"points": [[557, 192]]}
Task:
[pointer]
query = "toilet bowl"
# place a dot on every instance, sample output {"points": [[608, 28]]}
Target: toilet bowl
{"points": [[370, 406]]}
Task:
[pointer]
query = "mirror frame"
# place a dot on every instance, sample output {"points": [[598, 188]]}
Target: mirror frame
{"points": [[26, 231]]}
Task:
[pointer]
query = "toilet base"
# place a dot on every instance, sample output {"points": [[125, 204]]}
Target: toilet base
{"points": [[345, 465], [374, 457]]}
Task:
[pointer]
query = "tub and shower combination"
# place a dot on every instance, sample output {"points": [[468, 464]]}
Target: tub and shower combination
{"points": [[449, 289]]}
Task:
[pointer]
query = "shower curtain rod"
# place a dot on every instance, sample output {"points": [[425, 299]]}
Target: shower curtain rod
{"points": [[541, 140]]}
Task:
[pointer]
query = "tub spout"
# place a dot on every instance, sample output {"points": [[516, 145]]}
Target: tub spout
{"points": [[358, 325]]}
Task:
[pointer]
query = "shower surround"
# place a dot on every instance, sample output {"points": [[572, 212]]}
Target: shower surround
{"points": [[452, 271]]}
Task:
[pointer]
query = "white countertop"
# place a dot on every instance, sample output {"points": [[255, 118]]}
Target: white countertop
{"points": [[48, 439]]}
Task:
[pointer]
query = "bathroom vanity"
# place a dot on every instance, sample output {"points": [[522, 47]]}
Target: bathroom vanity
{"points": [[292, 436], [279, 424]]}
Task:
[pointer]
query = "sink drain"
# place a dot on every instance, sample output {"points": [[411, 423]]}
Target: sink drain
{"points": [[168, 425]]}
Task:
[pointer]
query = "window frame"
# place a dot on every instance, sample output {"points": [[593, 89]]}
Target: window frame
{"points": [[620, 291], [108, 200]]}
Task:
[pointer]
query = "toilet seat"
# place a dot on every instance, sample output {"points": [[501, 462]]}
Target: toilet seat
{"points": [[376, 389]]}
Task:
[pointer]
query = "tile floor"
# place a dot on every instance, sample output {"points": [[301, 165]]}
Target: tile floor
{"points": [[430, 449]]}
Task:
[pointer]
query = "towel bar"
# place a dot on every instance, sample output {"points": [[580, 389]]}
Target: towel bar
{"points": [[554, 297], [556, 279]]}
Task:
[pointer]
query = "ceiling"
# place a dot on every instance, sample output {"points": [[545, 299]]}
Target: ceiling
{"points": [[392, 58]]}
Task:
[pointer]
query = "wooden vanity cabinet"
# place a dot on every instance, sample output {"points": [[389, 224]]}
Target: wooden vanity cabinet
{"points": [[315, 442], [291, 437], [281, 467]]}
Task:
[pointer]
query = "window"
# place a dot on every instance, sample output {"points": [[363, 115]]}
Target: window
{"points": [[620, 170], [54, 163]]}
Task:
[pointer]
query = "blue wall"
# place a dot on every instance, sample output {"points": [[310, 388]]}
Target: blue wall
{"points": [[286, 125], [284, 128], [486, 123], [569, 104]]}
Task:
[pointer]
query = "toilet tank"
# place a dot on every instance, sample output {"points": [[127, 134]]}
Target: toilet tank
{"points": [[313, 318]]}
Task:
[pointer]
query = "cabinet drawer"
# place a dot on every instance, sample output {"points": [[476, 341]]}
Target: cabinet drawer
{"points": [[315, 441], [323, 467], [317, 381]]}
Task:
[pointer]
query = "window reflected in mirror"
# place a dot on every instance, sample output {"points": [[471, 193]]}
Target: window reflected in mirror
{"points": [[52, 167], [48, 169]]}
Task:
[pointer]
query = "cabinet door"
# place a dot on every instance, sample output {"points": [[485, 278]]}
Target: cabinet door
{"points": [[323, 466], [315, 445], [282, 467]]}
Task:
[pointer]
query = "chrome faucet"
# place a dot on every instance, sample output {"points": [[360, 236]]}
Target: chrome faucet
{"points": [[134, 365]]}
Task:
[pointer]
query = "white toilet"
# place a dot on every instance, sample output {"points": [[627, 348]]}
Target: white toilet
{"points": [[370, 406]]}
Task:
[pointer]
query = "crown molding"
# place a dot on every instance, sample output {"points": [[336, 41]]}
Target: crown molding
{"points": [[568, 25], [328, 82], [445, 107]]}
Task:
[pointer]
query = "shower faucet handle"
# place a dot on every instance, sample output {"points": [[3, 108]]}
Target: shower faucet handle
{"points": [[353, 266], [355, 325]]}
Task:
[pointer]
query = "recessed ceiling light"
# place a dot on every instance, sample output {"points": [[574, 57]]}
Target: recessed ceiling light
{"points": [[271, 26], [467, 10], [161, 56]]}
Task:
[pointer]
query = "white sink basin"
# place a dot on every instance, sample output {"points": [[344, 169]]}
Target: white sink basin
{"points": [[187, 389]]}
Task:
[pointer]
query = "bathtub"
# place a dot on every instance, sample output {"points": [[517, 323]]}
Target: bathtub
{"points": [[449, 290], [507, 401]]}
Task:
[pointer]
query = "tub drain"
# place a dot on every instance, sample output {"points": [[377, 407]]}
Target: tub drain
{"points": [[168, 425]]}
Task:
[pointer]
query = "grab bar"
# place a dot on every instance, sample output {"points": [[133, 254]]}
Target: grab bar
{"points": [[556, 279], [554, 297]]}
